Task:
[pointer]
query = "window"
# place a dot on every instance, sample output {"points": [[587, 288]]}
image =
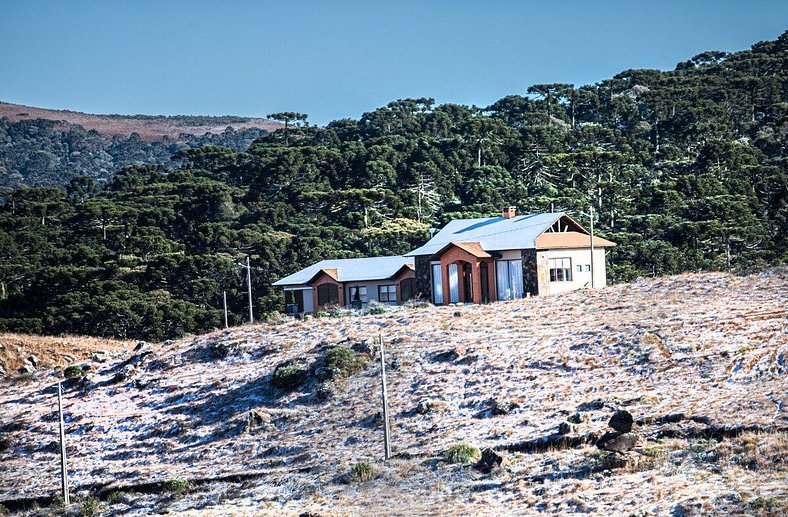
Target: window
{"points": [[560, 269], [327, 294], [588, 267], [358, 293], [509, 279], [408, 289], [579, 268], [387, 293], [454, 284], [437, 285]]}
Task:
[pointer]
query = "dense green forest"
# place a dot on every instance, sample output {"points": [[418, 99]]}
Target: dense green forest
{"points": [[40, 152], [686, 170]]}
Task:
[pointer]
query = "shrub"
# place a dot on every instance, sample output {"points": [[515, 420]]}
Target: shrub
{"points": [[289, 376], [74, 371], [90, 507], [462, 453], [377, 309], [361, 472], [3, 510], [345, 360], [116, 497], [177, 486], [321, 314]]}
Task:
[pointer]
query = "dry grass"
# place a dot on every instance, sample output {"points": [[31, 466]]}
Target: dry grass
{"points": [[52, 351]]}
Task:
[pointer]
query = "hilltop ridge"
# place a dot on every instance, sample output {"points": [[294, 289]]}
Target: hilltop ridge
{"points": [[274, 418]]}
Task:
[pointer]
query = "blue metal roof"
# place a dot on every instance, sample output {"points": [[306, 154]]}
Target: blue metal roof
{"points": [[350, 270], [492, 233]]}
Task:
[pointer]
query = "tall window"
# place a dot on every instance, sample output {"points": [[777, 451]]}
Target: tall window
{"points": [[387, 293], [454, 284], [327, 294], [509, 279], [560, 269], [408, 289], [437, 285]]}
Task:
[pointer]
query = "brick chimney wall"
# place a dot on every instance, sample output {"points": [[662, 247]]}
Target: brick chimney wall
{"points": [[509, 212]]}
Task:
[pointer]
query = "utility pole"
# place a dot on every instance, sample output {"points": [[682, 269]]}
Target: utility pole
{"points": [[591, 214], [63, 468], [224, 296], [249, 285], [386, 430]]}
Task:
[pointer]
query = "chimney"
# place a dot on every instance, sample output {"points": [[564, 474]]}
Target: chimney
{"points": [[509, 212]]}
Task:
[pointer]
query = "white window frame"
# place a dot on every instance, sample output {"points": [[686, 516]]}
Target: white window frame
{"points": [[560, 268], [437, 284], [389, 290]]}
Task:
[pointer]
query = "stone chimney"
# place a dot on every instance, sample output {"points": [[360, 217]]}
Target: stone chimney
{"points": [[509, 212]]}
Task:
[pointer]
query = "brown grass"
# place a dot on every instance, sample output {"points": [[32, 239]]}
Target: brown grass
{"points": [[50, 350]]}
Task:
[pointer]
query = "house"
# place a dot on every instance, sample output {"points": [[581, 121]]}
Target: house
{"points": [[350, 282], [511, 256]]}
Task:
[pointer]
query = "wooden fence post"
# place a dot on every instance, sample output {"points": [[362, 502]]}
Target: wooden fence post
{"points": [[384, 392], [63, 466]]}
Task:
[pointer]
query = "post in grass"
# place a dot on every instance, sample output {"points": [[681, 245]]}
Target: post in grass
{"points": [[384, 392], [63, 465]]}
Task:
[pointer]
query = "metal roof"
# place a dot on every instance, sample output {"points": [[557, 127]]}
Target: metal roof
{"points": [[492, 233], [350, 270]]}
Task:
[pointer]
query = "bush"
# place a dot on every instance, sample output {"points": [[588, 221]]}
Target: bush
{"points": [[362, 472], [345, 360], [462, 453], [289, 376], [90, 507], [177, 486], [377, 309], [74, 371]]}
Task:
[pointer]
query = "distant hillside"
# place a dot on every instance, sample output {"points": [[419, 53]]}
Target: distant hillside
{"points": [[49, 147], [276, 420]]}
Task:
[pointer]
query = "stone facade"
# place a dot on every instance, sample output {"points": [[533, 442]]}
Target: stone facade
{"points": [[424, 278]]}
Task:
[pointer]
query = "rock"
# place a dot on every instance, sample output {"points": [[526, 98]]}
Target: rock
{"points": [[575, 418], [503, 407], [324, 393], [594, 405], [424, 406], [491, 460], [69, 358], [617, 442], [124, 374], [613, 461], [99, 357], [445, 357], [457, 314], [2, 371], [27, 368], [327, 373], [257, 418], [141, 384], [217, 351], [621, 421], [32, 359], [565, 428], [5, 443], [140, 346], [362, 347]]}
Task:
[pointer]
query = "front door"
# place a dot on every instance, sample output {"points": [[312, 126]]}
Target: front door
{"points": [[484, 274], [299, 299], [467, 282]]}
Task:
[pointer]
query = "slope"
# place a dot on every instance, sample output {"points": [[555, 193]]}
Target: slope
{"points": [[699, 360]]}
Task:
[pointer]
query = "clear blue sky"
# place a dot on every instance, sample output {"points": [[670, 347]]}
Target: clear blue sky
{"points": [[335, 59]]}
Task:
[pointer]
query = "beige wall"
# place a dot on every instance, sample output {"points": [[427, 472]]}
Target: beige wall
{"points": [[372, 288], [579, 279]]}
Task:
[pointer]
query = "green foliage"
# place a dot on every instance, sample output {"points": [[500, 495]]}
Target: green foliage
{"points": [[345, 360], [91, 506], [462, 453], [289, 376], [362, 472], [73, 371], [685, 170], [177, 486]]}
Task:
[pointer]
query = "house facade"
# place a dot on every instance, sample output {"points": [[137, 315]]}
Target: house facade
{"points": [[506, 257], [350, 283]]}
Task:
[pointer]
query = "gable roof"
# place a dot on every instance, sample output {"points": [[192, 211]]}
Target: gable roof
{"points": [[349, 270], [472, 248], [492, 233], [570, 240]]}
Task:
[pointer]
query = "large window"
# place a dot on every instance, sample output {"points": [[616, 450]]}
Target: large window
{"points": [[358, 293], [454, 284], [437, 285], [560, 269], [509, 279], [387, 293]]}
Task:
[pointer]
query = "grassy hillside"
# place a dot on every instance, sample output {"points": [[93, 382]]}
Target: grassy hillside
{"points": [[285, 419]]}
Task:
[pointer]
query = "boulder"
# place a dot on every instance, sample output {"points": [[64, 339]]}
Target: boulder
{"points": [[257, 418], [613, 461], [503, 407], [362, 347], [99, 357], [617, 442], [69, 358], [424, 406], [575, 418], [446, 356], [32, 359], [565, 428], [140, 346], [621, 421], [27, 368], [2, 371], [491, 460]]}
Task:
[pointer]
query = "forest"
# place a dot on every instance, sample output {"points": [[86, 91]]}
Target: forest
{"points": [[685, 170]]}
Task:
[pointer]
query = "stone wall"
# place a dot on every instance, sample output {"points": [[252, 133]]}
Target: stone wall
{"points": [[423, 278], [530, 271]]}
